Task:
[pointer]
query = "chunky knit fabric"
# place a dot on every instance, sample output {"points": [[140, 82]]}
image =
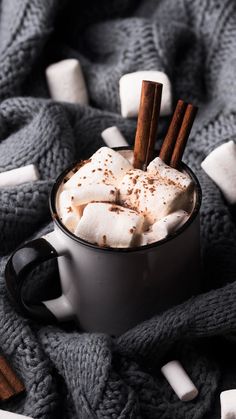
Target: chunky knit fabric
{"points": [[69, 374]]}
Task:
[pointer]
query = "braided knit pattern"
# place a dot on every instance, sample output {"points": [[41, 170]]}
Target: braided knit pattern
{"points": [[69, 374]]}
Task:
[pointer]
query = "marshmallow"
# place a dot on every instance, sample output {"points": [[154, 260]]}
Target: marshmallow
{"points": [[66, 82], [69, 214], [113, 137], [128, 155], [153, 196], [109, 225], [93, 192], [159, 168], [220, 166], [20, 175], [105, 166], [228, 404], [164, 227], [179, 381], [4, 414], [130, 92]]}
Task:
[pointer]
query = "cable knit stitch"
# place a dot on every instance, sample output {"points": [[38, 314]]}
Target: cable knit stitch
{"points": [[73, 375]]}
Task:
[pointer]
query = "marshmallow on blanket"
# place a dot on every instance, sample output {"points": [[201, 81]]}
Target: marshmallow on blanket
{"points": [[109, 225], [220, 166], [130, 92], [4, 414], [179, 381], [66, 82], [20, 175], [228, 404], [113, 137]]}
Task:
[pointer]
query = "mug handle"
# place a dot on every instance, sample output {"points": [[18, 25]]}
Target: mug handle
{"points": [[21, 262]]}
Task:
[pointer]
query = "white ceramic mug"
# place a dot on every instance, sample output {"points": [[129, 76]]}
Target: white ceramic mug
{"points": [[110, 289]]}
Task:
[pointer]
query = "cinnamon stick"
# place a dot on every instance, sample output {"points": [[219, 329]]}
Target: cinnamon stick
{"points": [[183, 135], [6, 391], [10, 384], [173, 131], [147, 124]]}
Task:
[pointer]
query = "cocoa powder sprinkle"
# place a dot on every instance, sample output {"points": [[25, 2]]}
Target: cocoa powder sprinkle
{"points": [[114, 208]]}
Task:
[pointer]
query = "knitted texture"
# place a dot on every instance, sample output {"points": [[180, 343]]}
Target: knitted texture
{"points": [[69, 374]]}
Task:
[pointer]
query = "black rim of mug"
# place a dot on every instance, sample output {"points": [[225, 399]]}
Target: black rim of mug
{"points": [[172, 236]]}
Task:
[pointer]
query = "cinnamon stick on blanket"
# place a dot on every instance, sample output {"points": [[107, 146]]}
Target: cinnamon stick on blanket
{"points": [[10, 384], [147, 124]]}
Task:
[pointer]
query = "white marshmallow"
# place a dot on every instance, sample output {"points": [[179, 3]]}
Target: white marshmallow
{"points": [[228, 404], [4, 414], [153, 196], [179, 381], [20, 175], [113, 137], [220, 166], [130, 92], [66, 82], [128, 155], [109, 225], [158, 167], [164, 227], [105, 166], [68, 213], [94, 192]]}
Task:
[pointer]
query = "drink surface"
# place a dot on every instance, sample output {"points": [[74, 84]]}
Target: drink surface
{"points": [[107, 202]]}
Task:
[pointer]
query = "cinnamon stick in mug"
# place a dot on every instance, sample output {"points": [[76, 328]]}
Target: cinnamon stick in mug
{"points": [[183, 135], [147, 124], [173, 131]]}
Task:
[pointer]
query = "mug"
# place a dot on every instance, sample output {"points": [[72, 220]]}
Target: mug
{"points": [[110, 290]]}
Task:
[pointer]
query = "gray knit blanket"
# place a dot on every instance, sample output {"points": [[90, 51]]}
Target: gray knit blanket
{"points": [[69, 374]]}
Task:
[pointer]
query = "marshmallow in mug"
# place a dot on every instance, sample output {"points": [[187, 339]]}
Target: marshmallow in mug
{"points": [[228, 404], [106, 192], [66, 82], [93, 181], [220, 166], [158, 192], [69, 212], [117, 226], [166, 225], [106, 166], [130, 92]]}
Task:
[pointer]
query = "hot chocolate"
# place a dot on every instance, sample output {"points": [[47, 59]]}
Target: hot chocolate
{"points": [[107, 202]]}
